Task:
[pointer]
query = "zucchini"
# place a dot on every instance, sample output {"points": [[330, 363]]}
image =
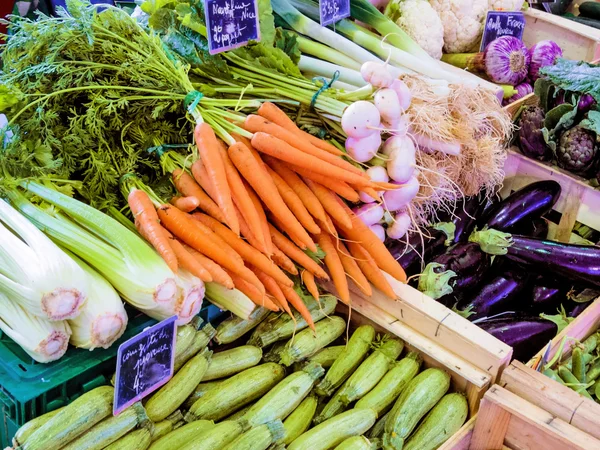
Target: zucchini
{"points": [[274, 354], [336, 430], [356, 349], [258, 438], [185, 336], [590, 10], [199, 342], [240, 413], [378, 429], [166, 426], [307, 343], [72, 421], [391, 385], [181, 436], [234, 328], [282, 399], [357, 443], [111, 429], [199, 392], [236, 392], [299, 420], [171, 396], [326, 357], [217, 437], [230, 362], [28, 428], [279, 326], [443, 421], [333, 407], [134, 440], [421, 394]]}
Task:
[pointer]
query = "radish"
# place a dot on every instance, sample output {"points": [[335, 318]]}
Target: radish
{"points": [[401, 197], [363, 149], [386, 101], [376, 74], [375, 173], [401, 144], [400, 226], [361, 119], [401, 166], [370, 214], [397, 127], [379, 231], [403, 93]]}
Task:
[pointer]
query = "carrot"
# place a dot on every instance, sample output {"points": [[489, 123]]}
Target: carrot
{"points": [[309, 282], [149, 226], [328, 226], [294, 203], [217, 273], [309, 199], [279, 224], [190, 232], [353, 270], [247, 234], [201, 177], [283, 261], [263, 218], [267, 191], [245, 250], [292, 296], [185, 184], [271, 112], [253, 293], [273, 288], [384, 186], [339, 187], [296, 254], [363, 235], [207, 145], [186, 204], [241, 198], [371, 192], [254, 124], [244, 140], [189, 263], [369, 268], [331, 204], [265, 143], [336, 269]]}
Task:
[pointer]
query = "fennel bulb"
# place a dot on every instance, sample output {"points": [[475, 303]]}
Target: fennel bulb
{"points": [[230, 299], [35, 272], [43, 340]]}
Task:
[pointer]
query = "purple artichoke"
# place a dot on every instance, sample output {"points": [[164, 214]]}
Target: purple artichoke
{"points": [[531, 138], [576, 150]]}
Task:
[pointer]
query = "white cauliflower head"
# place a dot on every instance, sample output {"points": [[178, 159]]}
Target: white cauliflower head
{"points": [[463, 23], [421, 22], [505, 5]]}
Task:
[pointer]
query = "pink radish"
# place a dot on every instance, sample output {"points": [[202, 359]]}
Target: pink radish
{"points": [[386, 101], [396, 127], [379, 231], [375, 173], [370, 214], [400, 226], [401, 197], [361, 119], [402, 162], [401, 144], [403, 92], [363, 149], [376, 74]]}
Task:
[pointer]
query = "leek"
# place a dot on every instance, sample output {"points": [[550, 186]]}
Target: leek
{"points": [[231, 300], [43, 340], [35, 273]]}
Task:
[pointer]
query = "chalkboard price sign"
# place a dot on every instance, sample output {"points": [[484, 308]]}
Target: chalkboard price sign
{"points": [[333, 11], [231, 23], [144, 363], [502, 23]]}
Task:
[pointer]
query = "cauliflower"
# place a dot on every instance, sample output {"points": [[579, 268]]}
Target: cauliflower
{"points": [[421, 22], [505, 5], [463, 23]]}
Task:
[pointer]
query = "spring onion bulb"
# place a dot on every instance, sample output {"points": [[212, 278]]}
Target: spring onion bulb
{"points": [[35, 272], [399, 199], [103, 318], [403, 93], [369, 214], [361, 119], [375, 173], [377, 74], [363, 149], [400, 226], [425, 143], [43, 340], [379, 231], [231, 300]]}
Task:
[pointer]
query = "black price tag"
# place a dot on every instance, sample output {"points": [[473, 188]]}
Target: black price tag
{"points": [[332, 11], [231, 23], [144, 363], [502, 23]]}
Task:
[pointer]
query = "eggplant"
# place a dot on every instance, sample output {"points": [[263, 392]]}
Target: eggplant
{"points": [[461, 268], [521, 207], [525, 334], [465, 216], [547, 294], [573, 309], [499, 293], [571, 261]]}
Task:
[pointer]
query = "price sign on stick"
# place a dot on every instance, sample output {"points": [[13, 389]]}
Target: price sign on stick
{"points": [[502, 23], [332, 11], [144, 363], [230, 24]]}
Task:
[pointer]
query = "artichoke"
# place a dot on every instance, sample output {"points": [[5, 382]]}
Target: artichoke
{"points": [[576, 150], [531, 138]]}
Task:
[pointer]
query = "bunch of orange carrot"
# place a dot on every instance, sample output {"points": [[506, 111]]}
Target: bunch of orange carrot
{"points": [[248, 212]]}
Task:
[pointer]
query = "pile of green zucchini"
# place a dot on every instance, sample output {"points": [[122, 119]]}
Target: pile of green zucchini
{"points": [[286, 386]]}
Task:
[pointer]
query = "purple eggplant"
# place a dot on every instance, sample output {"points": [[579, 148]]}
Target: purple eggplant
{"points": [[547, 294], [574, 309], [523, 206], [573, 262], [461, 268], [526, 335], [499, 293], [465, 216]]}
